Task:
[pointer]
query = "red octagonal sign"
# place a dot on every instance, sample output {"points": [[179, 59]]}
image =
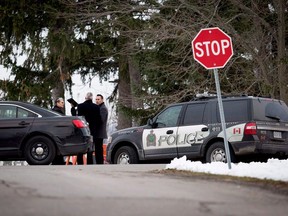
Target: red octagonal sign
{"points": [[212, 48]]}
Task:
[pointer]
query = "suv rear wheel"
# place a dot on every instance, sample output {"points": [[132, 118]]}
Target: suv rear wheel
{"points": [[216, 153], [126, 155]]}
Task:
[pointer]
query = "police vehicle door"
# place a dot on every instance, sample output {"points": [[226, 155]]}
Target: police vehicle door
{"points": [[159, 142], [192, 130]]}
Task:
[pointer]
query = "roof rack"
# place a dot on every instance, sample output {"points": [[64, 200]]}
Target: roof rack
{"points": [[207, 96]]}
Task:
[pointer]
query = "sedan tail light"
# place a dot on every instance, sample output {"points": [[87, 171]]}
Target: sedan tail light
{"points": [[250, 128], [78, 123]]}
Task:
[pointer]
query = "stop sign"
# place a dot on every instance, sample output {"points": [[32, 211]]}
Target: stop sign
{"points": [[212, 48]]}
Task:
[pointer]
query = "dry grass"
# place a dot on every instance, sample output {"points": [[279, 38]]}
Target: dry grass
{"points": [[275, 186]]}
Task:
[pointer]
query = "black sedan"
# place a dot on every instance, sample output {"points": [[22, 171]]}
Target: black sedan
{"points": [[37, 135]]}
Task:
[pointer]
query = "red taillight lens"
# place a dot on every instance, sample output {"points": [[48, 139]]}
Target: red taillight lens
{"points": [[78, 123], [250, 128]]}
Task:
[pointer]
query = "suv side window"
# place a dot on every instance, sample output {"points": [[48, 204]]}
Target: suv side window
{"points": [[234, 111], [194, 114], [169, 117]]}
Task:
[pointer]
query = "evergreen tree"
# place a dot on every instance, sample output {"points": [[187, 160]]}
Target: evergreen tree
{"points": [[53, 47], [148, 45]]}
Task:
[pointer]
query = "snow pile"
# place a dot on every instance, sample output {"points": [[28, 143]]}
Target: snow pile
{"points": [[273, 169]]}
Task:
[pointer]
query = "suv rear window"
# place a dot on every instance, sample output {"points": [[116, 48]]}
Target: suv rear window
{"points": [[269, 110]]}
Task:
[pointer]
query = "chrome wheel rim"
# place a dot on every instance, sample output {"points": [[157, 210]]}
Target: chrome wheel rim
{"points": [[39, 151], [218, 155], [123, 158]]}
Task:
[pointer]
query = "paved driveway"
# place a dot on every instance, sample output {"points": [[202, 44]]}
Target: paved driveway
{"points": [[115, 190]]}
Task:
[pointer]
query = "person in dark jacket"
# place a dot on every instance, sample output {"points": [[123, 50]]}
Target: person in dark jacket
{"points": [[101, 133], [91, 112], [59, 106]]}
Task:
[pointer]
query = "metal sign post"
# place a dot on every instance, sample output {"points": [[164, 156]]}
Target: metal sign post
{"points": [[212, 48], [222, 117]]}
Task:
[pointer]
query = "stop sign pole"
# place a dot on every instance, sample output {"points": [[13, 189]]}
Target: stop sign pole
{"points": [[222, 117], [212, 48]]}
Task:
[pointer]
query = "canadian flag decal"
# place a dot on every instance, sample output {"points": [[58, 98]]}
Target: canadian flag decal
{"points": [[236, 130]]}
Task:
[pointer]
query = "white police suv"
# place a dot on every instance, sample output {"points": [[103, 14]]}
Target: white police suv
{"points": [[254, 126]]}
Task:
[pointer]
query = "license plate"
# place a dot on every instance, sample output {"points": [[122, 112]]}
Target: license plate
{"points": [[277, 134]]}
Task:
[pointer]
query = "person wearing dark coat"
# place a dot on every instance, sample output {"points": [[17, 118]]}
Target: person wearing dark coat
{"points": [[91, 112], [101, 133], [59, 106]]}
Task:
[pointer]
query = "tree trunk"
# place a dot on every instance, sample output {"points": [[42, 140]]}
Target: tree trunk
{"points": [[135, 84], [61, 79], [282, 74], [124, 90]]}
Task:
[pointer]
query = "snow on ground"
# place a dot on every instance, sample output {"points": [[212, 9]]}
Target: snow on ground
{"points": [[273, 169]]}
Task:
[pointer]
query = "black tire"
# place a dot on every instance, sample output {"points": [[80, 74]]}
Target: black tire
{"points": [[40, 150], [126, 155], [216, 153]]}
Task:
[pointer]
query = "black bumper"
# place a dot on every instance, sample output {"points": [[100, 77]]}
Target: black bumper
{"points": [[77, 148], [247, 147]]}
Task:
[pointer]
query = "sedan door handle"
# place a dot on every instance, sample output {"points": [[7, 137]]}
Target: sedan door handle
{"points": [[169, 132], [204, 129], [23, 123]]}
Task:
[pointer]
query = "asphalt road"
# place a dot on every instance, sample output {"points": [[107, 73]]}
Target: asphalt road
{"points": [[115, 190]]}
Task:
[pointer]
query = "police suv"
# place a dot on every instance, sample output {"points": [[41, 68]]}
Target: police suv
{"points": [[254, 126]]}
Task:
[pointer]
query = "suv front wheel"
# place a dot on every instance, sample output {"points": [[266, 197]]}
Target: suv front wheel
{"points": [[126, 155], [216, 153]]}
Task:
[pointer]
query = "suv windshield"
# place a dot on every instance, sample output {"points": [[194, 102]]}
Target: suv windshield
{"points": [[270, 109]]}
